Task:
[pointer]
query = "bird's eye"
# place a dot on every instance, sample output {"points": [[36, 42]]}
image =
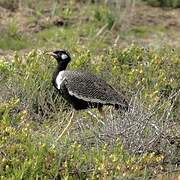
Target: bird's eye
{"points": [[64, 56]]}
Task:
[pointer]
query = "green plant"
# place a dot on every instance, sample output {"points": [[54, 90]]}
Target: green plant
{"points": [[11, 38], [140, 144], [164, 3], [32, 121]]}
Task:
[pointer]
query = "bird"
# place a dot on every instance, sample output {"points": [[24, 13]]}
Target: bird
{"points": [[83, 90]]}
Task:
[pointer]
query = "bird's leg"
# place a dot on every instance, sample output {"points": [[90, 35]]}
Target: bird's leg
{"points": [[94, 116], [111, 113], [101, 111], [65, 129]]}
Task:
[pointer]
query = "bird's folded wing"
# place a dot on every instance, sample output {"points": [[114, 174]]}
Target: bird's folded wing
{"points": [[90, 88]]}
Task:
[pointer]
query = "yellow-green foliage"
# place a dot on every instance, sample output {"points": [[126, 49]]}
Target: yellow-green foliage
{"points": [[29, 148], [33, 115], [27, 153]]}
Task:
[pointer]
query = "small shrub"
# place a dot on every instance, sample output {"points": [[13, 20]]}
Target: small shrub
{"points": [[164, 3], [106, 16]]}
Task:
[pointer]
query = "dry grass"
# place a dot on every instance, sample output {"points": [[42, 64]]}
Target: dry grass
{"points": [[141, 130]]}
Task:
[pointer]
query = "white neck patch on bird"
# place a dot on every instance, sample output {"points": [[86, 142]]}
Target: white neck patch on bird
{"points": [[64, 56], [59, 79]]}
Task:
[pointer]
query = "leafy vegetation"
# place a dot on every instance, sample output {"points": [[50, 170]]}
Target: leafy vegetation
{"points": [[31, 150], [164, 3], [141, 143]]}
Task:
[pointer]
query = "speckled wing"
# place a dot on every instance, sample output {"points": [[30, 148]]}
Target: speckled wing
{"points": [[90, 88]]}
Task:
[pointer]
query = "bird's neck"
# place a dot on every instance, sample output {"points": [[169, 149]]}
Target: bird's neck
{"points": [[60, 67]]}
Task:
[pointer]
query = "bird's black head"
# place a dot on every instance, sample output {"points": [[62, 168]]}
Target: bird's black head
{"points": [[60, 56]]}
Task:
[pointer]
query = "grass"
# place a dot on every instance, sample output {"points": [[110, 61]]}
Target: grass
{"points": [[142, 143], [33, 119], [145, 31]]}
